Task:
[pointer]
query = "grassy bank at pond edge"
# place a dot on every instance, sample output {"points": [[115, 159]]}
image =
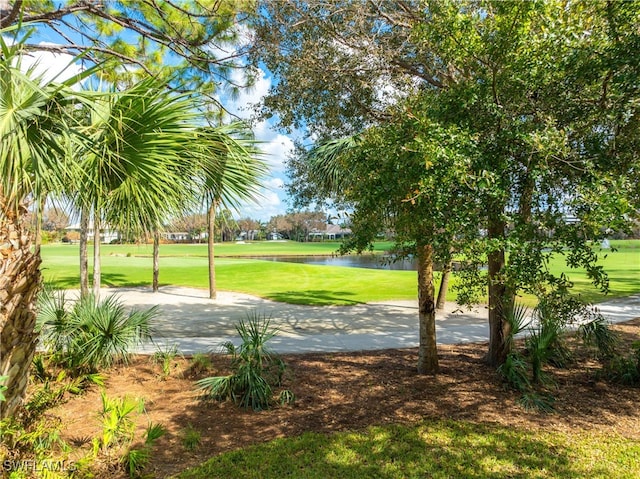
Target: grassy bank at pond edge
{"points": [[186, 265]]}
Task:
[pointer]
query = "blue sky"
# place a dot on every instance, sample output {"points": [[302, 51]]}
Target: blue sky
{"points": [[275, 145]]}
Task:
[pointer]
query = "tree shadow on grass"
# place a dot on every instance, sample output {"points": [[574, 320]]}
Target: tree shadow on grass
{"points": [[314, 297], [433, 449], [111, 280]]}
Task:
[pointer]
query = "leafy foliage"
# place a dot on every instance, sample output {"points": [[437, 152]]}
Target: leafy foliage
{"points": [[625, 369], [190, 438], [256, 369], [538, 95], [545, 330], [116, 419], [166, 358], [2, 387], [89, 334], [186, 42], [136, 459]]}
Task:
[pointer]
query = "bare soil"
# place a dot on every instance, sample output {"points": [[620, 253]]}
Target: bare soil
{"points": [[350, 391]]}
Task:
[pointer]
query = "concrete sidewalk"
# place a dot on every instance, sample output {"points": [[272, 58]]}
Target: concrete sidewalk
{"points": [[194, 323]]}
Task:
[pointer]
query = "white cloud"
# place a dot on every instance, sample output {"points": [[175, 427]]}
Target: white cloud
{"points": [[276, 151], [51, 66], [275, 146], [270, 202]]}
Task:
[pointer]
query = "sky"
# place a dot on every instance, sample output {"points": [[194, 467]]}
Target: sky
{"points": [[275, 145]]}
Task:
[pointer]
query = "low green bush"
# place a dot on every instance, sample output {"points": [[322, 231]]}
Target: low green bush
{"points": [[88, 335], [256, 369]]}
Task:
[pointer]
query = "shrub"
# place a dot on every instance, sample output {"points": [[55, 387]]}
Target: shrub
{"points": [[199, 365], [256, 369], [136, 459], [166, 357], [625, 369], [596, 334], [88, 335], [190, 438], [545, 344]]}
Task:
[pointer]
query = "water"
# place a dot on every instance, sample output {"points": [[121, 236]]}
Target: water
{"points": [[351, 261]]}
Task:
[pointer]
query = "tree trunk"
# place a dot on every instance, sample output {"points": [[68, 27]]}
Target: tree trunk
{"points": [[427, 350], [444, 286], [156, 260], [501, 299], [211, 217], [84, 252], [37, 240], [97, 273], [19, 285]]}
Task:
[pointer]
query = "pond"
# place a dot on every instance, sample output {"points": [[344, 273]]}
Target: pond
{"points": [[351, 261]]}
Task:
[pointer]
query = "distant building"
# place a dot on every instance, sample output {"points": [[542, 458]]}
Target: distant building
{"points": [[107, 235], [332, 232], [175, 236]]}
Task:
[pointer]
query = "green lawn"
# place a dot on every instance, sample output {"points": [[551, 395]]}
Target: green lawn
{"points": [[440, 449], [186, 265]]}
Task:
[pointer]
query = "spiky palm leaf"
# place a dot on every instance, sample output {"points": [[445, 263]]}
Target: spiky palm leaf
{"points": [[36, 132], [230, 164], [138, 168]]}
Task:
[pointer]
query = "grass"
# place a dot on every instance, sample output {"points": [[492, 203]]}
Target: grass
{"points": [[186, 265], [286, 282], [439, 449]]}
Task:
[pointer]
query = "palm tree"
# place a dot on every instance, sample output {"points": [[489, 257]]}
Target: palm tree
{"points": [[36, 133], [230, 171], [138, 169]]}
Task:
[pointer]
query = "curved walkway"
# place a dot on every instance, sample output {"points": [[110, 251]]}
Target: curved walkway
{"points": [[194, 323]]}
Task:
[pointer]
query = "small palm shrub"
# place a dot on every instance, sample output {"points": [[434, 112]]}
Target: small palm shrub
{"points": [[191, 438], [166, 358], [545, 344], [115, 447], [88, 335], [256, 369], [597, 335], [625, 369], [136, 459], [199, 365]]}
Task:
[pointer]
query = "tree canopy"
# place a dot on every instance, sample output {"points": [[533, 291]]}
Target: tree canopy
{"points": [[196, 44], [540, 91]]}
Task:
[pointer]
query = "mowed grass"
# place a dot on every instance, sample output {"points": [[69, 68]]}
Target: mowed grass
{"points": [[286, 282], [186, 265], [439, 449]]}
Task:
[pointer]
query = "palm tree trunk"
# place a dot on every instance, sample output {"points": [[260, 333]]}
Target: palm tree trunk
{"points": [[19, 285], [427, 349], [84, 254], [37, 241], [156, 260], [211, 218], [97, 273]]}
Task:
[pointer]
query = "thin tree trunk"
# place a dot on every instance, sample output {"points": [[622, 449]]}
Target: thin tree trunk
{"points": [[211, 218], [19, 286], [37, 241], [84, 252], [501, 299], [97, 273], [156, 260], [444, 286], [427, 350]]}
